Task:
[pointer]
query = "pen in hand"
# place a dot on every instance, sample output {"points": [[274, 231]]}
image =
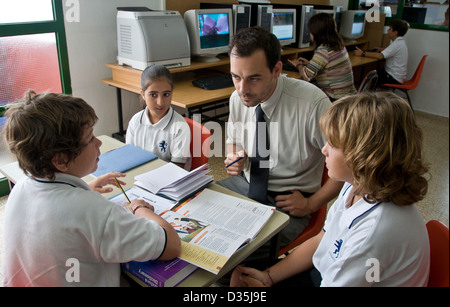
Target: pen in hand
{"points": [[122, 190], [238, 159]]}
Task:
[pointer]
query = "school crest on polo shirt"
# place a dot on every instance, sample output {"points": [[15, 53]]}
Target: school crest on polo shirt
{"points": [[336, 249], [163, 146]]}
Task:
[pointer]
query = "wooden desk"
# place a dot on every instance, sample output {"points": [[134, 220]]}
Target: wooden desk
{"points": [[200, 278], [185, 95]]}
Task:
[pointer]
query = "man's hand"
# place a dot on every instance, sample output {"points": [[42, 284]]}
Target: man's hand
{"points": [[238, 166], [295, 203]]}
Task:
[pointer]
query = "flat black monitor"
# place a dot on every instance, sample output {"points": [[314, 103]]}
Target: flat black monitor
{"points": [[414, 14]]}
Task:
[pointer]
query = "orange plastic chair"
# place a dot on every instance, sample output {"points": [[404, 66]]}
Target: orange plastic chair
{"points": [[200, 137], [439, 256], [315, 223], [411, 83]]}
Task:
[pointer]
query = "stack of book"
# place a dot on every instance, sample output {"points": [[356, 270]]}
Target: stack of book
{"points": [[174, 182]]}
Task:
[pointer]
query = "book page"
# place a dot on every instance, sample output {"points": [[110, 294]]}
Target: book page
{"points": [[202, 244], [158, 178], [203, 235], [238, 215], [160, 204]]}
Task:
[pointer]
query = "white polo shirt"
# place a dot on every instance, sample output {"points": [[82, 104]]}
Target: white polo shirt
{"points": [[292, 113], [396, 55], [169, 138], [52, 229], [360, 239]]}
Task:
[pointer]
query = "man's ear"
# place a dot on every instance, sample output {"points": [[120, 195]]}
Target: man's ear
{"points": [[60, 162], [278, 69]]}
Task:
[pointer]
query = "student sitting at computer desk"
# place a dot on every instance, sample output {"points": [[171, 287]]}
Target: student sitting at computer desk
{"points": [[396, 54], [330, 65]]}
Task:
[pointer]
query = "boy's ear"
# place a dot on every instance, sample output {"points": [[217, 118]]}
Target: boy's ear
{"points": [[60, 162]]}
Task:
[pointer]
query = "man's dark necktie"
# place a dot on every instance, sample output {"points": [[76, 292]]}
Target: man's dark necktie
{"points": [[259, 171]]}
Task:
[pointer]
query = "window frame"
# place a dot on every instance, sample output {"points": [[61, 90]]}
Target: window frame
{"points": [[354, 4], [55, 26]]}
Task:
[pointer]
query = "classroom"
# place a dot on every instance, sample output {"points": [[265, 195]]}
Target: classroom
{"points": [[84, 60]]}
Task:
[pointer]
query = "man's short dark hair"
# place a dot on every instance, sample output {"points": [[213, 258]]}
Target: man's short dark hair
{"points": [[248, 40]]}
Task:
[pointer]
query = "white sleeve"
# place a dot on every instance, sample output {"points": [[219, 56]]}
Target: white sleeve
{"points": [[127, 237], [181, 141]]}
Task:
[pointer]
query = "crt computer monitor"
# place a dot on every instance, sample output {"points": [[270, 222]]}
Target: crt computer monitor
{"points": [[303, 14], [241, 13], [284, 25], [352, 24], [210, 32], [264, 16]]}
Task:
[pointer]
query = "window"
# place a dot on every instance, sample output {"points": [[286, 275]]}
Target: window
{"points": [[421, 14], [25, 11], [33, 51], [390, 7]]}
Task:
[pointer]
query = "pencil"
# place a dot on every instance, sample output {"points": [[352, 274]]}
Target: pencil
{"points": [[238, 159], [122, 190]]}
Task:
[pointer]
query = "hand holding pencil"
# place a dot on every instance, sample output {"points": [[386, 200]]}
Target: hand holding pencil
{"points": [[234, 163], [100, 183]]}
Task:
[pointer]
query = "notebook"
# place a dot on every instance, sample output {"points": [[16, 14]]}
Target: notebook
{"points": [[122, 159]]}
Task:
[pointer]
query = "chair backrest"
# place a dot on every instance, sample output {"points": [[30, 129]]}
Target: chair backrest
{"points": [[315, 224], [439, 254], [369, 82], [200, 143], [416, 77]]}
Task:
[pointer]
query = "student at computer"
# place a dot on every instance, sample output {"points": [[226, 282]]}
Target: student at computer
{"points": [[330, 65], [396, 54], [58, 231], [373, 235], [158, 128]]}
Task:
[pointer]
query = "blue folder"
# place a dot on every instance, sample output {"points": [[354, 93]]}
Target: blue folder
{"points": [[122, 159]]}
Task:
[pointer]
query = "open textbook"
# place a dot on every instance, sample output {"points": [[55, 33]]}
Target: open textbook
{"points": [[212, 226], [215, 225]]}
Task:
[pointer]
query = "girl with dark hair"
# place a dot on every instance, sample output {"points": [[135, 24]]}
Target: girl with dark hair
{"points": [[330, 65], [159, 128]]}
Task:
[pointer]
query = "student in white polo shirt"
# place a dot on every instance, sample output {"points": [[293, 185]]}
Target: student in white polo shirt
{"points": [[396, 54], [58, 230], [158, 128], [373, 235]]}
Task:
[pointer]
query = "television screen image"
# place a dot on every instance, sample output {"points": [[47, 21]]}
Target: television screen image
{"points": [[214, 30]]}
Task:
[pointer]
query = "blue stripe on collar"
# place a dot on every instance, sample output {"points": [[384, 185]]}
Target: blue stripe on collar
{"points": [[58, 182], [364, 213]]}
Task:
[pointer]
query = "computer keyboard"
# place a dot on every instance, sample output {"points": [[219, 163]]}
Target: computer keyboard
{"points": [[214, 82], [289, 67]]}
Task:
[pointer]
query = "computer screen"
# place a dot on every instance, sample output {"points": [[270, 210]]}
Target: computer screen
{"points": [[241, 13], [214, 30], [358, 24], [284, 25], [210, 31], [353, 24]]}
